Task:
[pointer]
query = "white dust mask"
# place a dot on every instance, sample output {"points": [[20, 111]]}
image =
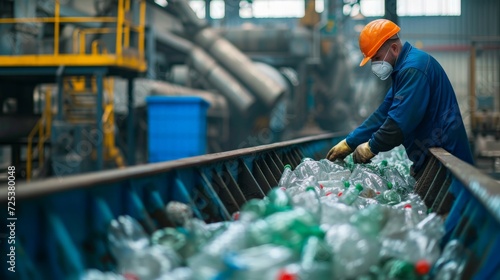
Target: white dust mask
{"points": [[382, 69]]}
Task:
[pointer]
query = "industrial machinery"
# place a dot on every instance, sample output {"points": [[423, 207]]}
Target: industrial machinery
{"points": [[76, 74]]}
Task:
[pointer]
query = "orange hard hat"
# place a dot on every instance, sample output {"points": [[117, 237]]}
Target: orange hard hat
{"points": [[374, 35]]}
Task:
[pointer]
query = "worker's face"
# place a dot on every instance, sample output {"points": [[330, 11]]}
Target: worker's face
{"points": [[387, 53]]}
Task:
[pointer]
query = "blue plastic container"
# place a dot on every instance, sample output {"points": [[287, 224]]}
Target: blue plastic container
{"points": [[177, 127]]}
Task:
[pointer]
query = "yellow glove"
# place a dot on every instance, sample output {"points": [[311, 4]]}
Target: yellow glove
{"points": [[362, 154], [339, 151]]}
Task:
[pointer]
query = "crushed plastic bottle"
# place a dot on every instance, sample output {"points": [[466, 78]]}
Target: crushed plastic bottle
{"points": [[308, 200], [287, 177], [125, 236], [452, 261], [368, 178], [95, 274], [351, 194], [289, 229], [259, 262], [354, 252]]}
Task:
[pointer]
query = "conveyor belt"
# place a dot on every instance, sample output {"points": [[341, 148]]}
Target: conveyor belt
{"points": [[61, 222]]}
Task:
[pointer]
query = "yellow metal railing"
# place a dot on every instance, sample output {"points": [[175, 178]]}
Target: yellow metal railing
{"points": [[42, 129], [123, 30], [111, 152]]}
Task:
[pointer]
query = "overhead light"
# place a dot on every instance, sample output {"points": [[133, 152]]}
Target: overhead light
{"points": [[162, 3]]}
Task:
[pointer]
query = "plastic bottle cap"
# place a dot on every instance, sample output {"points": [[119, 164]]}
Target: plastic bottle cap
{"points": [[236, 216], [328, 193], [383, 163], [377, 192], [408, 206], [422, 267], [359, 187], [285, 275], [346, 184], [283, 188], [288, 166], [130, 276], [321, 186], [310, 188], [389, 185], [340, 194]]}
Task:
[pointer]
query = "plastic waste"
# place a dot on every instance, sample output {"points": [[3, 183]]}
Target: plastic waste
{"points": [[95, 274], [351, 194], [354, 252], [451, 263], [126, 235], [259, 262], [287, 177], [308, 200], [289, 229]]}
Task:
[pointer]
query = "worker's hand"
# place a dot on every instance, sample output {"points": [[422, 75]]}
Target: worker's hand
{"points": [[362, 154], [339, 151]]}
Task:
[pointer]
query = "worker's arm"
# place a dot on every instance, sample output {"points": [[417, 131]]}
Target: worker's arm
{"points": [[406, 112], [371, 124]]}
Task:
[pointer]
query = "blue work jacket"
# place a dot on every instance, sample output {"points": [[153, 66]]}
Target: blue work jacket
{"points": [[422, 103]]}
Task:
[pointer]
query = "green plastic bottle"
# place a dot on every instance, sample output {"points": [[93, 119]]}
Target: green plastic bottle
{"points": [[351, 194]]}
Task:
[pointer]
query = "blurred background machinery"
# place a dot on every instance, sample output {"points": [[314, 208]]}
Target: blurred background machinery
{"points": [[75, 75]]}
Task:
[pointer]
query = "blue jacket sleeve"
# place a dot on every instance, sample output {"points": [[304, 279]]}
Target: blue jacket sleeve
{"points": [[363, 133]]}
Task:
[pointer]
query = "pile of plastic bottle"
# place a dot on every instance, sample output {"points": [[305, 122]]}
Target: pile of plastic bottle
{"points": [[324, 220]]}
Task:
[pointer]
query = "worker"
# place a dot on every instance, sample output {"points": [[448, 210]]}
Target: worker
{"points": [[420, 109]]}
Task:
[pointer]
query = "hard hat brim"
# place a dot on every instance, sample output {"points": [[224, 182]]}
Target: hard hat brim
{"points": [[364, 61]]}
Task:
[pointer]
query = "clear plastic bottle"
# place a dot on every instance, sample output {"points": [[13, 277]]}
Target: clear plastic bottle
{"points": [[126, 235], [287, 177], [316, 259], [364, 175], [334, 213], [398, 182], [351, 194], [371, 219], [207, 263], [389, 197], [452, 261], [179, 273], [149, 264], [279, 200], [309, 200], [354, 252], [95, 274], [259, 262], [289, 228], [254, 209], [171, 238]]}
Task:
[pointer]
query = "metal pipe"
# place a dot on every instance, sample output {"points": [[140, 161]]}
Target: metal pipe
{"points": [[266, 89], [217, 76], [222, 80]]}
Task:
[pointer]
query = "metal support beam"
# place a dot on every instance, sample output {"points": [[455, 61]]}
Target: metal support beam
{"points": [[391, 8], [130, 123], [99, 113], [59, 80]]}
